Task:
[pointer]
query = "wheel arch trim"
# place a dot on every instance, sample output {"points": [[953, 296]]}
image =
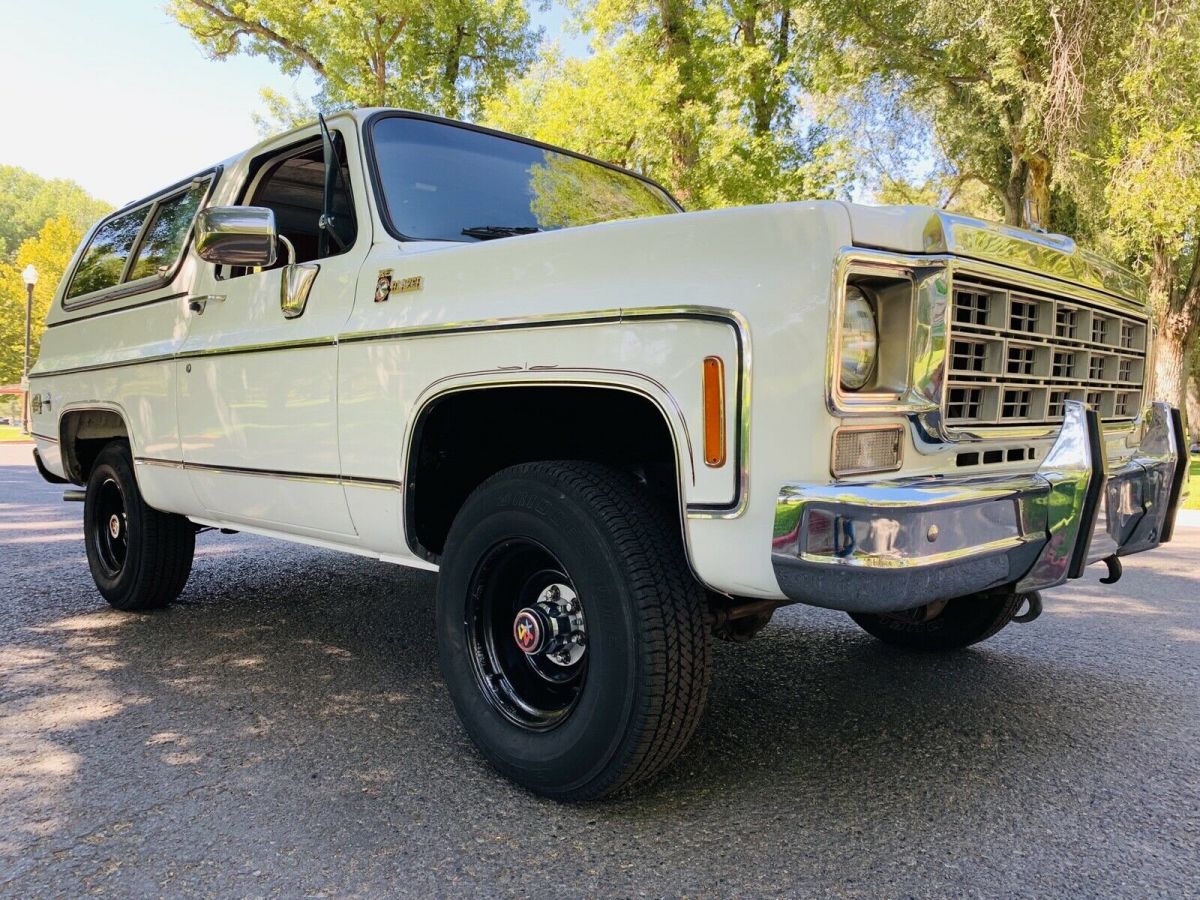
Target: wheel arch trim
{"points": [[650, 390], [66, 441]]}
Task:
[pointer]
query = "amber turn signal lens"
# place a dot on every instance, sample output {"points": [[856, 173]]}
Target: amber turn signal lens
{"points": [[714, 411]]}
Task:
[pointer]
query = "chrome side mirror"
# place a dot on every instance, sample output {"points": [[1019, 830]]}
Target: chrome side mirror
{"points": [[236, 235]]}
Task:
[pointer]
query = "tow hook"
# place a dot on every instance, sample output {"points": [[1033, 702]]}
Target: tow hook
{"points": [[1033, 607], [1114, 570]]}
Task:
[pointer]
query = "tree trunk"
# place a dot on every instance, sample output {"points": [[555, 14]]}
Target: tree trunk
{"points": [[1177, 315], [1038, 191], [1171, 357], [1014, 191], [676, 44]]}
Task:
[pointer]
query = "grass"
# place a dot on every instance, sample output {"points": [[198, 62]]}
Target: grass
{"points": [[9, 433], [1193, 485]]}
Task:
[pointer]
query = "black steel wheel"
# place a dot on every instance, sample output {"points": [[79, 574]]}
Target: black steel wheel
{"points": [[110, 530], [527, 632], [571, 632], [140, 558]]}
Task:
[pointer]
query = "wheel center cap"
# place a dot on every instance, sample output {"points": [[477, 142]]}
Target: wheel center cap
{"points": [[528, 632], [114, 526]]}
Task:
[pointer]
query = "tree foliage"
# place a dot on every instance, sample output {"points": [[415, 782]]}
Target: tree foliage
{"points": [[42, 221], [703, 95], [1151, 167], [1004, 82], [27, 201], [442, 56], [49, 251]]}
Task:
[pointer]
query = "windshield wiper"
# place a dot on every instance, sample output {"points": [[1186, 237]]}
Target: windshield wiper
{"points": [[490, 232]]}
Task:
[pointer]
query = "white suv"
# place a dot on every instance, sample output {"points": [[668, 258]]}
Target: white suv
{"points": [[617, 429]]}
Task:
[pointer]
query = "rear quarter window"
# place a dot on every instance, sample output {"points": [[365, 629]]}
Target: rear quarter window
{"points": [[138, 249], [104, 259]]}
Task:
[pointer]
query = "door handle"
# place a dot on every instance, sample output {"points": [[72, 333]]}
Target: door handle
{"points": [[198, 303]]}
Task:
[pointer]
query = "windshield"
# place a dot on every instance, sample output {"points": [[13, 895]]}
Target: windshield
{"points": [[442, 182]]}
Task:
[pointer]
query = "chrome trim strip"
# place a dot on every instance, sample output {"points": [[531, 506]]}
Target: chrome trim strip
{"points": [[311, 477], [425, 403], [117, 309], [270, 347], [483, 378], [97, 367], [43, 437], [729, 317], [1051, 255]]}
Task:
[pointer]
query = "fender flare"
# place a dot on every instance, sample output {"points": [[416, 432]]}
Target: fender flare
{"points": [[637, 384]]}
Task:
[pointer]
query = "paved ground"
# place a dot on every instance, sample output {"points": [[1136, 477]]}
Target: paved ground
{"points": [[283, 731]]}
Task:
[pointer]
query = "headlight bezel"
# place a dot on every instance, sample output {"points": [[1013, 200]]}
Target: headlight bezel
{"points": [[893, 283]]}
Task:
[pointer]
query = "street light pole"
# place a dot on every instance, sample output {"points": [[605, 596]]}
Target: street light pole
{"points": [[30, 275]]}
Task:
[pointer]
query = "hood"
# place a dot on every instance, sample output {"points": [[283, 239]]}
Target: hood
{"points": [[925, 229]]}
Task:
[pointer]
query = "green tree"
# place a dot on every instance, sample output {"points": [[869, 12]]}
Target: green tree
{"points": [[1151, 168], [442, 56], [50, 252], [703, 95], [28, 200], [1005, 82]]}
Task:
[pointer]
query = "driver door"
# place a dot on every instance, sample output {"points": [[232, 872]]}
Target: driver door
{"points": [[257, 381]]}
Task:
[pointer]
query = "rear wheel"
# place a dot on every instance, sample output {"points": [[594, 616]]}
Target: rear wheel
{"points": [[944, 625], [571, 632], [140, 558]]}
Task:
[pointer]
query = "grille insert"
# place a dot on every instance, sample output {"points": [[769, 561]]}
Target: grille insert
{"points": [[1016, 356]]}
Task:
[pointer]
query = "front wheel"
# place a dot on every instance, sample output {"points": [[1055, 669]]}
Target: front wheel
{"points": [[140, 558], [944, 625], [571, 632]]}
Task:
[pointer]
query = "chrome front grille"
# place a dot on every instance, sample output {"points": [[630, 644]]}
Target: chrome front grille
{"points": [[1015, 356]]}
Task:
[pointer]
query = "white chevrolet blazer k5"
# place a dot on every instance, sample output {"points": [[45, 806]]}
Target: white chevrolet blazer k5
{"points": [[618, 430]]}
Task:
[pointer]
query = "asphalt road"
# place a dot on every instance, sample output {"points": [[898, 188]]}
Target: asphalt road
{"points": [[282, 731]]}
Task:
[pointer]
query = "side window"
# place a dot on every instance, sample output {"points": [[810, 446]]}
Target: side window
{"points": [[167, 232], [293, 187], [105, 257]]}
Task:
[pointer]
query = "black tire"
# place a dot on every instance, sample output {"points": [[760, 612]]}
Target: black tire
{"points": [[960, 623], [140, 558], [626, 708]]}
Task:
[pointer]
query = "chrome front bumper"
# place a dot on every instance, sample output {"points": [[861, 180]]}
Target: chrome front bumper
{"points": [[895, 545]]}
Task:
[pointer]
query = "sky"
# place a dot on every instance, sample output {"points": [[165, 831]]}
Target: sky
{"points": [[125, 102]]}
